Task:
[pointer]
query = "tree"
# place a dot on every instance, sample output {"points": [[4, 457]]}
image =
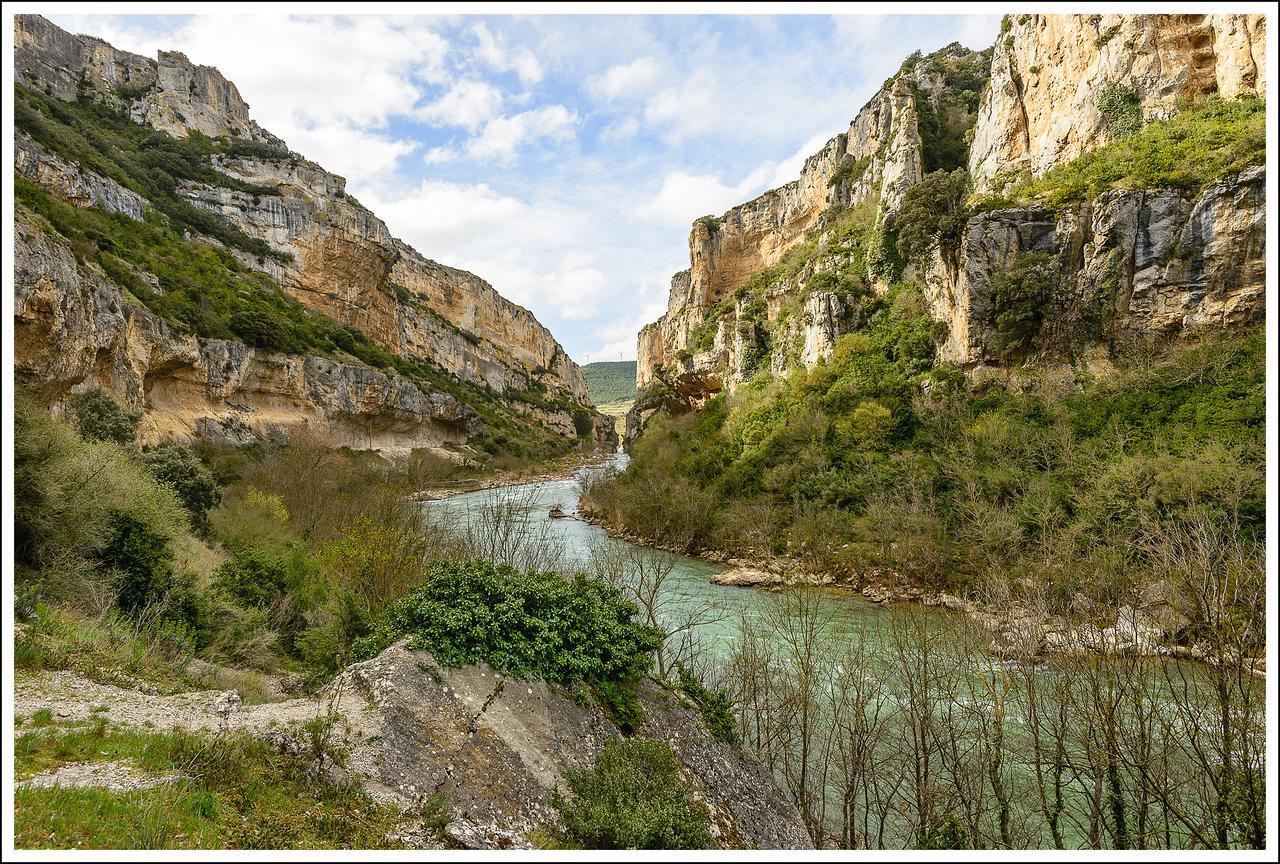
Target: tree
{"points": [[182, 469], [98, 417], [933, 213]]}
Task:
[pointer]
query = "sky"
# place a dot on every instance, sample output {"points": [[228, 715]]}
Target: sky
{"points": [[560, 157]]}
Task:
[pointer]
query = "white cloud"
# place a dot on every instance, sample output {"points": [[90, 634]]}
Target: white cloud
{"points": [[695, 106], [626, 80], [620, 131], [466, 103], [440, 155], [503, 137], [495, 53], [684, 197]]}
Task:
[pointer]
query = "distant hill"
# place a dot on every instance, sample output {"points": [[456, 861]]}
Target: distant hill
{"points": [[612, 381]]}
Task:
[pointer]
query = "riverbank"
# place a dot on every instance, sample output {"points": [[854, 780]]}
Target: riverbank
{"points": [[1151, 627], [563, 468]]}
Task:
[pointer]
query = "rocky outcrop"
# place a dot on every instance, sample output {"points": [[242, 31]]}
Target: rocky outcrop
{"points": [[69, 181], [878, 157], [493, 748], [187, 387], [1132, 263], [336, 257], [1058, 80], [497, 747]]}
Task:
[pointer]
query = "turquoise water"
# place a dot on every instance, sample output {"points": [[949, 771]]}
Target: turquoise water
{"points": [[686, 591]]}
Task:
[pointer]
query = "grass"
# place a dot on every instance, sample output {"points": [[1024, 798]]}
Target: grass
{"points": [[1192, 149], [107, 649], [237, 794]]}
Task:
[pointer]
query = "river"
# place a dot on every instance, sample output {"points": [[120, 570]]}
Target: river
{"points": [[689, 587]]}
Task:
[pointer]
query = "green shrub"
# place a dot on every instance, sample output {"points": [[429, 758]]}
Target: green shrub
{"points": [[1195, 147], [716, 708], [531, 625], [632, 799], [143, 560], [1019, 299], [620, 702], [1121, 110], [933, 213], [180, 468], [254, 577], [98, 417]]}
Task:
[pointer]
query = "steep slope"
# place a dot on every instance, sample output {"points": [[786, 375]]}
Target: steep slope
{"points": [[86, 115], [1062, 85], [880, 156], [1152, 249]]}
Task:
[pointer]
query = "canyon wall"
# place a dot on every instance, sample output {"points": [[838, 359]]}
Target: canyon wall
{"points": [[337, 257], [877, 157], [72, 325], [1132, 262], [1056, 80]]}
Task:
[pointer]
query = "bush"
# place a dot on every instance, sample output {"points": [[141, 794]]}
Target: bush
{"points": [[1195, 147], [632, 799], [531, 625], [143, 560], [622, 705], [933, 213], [180, 468], [254, 577], [1019, 296], [716, 708], [98, 417]]}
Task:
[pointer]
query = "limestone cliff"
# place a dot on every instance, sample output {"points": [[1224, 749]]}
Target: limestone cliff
{"points": [[1130, 263], [879, 157], [1133, 262], [335, 256], [73, 326], [1058, 80]]}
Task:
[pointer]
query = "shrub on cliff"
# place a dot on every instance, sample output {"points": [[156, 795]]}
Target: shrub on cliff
{"points": [[632, 798], [531, 625], [100, 418], [933, 213]]}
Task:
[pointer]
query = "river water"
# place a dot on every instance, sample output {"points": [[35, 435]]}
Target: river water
{"points": [[689, 587]]}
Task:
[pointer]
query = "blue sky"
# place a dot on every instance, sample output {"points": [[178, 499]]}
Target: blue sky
{"points": [[560, 157]]}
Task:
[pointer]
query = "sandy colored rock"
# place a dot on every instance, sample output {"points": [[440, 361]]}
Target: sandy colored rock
{"points": [[1049, 72]]}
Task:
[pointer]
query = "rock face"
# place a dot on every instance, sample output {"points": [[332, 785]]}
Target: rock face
{"points": [[72, 327], [68, 180], [1133, 262], [338, 257], [497, 747], [1051, 74], [879, 156]]}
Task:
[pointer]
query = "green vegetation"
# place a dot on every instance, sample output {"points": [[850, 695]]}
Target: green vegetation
{"points": [[98, 417], [1121, 110], [933, 214], [532, 625], [632, 799], [1197, 146], [153, 164], [1019, 297], [876, 456], [234, 793], [945, 120], [610, 381], [850, 172], [716, 708]]}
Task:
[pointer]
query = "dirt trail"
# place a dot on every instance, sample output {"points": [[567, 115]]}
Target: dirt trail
{"points": [[73, 697]]}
